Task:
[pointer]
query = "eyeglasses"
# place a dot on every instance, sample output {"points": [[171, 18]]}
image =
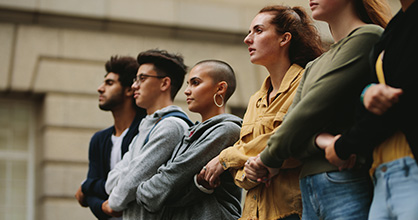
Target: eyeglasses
{"points": [[142, 77]]}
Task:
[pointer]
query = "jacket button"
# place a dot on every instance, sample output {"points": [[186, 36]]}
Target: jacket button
{"points": [[384, 168]]}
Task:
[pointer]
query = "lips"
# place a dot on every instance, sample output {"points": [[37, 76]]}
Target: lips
{"points": [[188, 100], [313, 4], [251, 50]]}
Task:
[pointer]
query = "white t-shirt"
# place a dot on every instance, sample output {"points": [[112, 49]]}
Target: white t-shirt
{"points": [[116, 154]]}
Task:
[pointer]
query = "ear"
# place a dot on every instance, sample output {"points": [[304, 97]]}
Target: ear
{"points": [[222, 87], [165, 84], [129, 92], [285, 39]]}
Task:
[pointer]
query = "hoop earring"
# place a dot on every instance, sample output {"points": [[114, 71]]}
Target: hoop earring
{"points": [[214, 100]]}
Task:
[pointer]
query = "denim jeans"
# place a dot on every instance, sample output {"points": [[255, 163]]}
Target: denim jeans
{"points": [[336, 196], [396, 190]]}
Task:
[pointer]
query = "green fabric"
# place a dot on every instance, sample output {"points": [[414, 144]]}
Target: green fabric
{"points": [[325, 101]]}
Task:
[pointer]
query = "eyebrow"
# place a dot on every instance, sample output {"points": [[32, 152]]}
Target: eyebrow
{"points": [[255, 27], [193, 78]]}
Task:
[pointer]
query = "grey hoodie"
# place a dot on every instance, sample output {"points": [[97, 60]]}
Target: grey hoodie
{"points": [[142, 161], [172, 188]]}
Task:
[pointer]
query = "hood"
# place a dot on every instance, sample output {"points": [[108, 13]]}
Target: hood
{"points": [[199, 128]]}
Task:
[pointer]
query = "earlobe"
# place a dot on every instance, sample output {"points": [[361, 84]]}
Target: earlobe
{"points": [[285, 39], [222, 87], [165, 83], [129, 92]]}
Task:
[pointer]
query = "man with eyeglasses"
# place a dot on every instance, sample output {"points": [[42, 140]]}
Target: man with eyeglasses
{"points": [[109, 145], [159, 78]]}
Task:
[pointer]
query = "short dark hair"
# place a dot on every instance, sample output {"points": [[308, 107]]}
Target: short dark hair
{"points": [[166, 64], [126, 67], [222, 71]]}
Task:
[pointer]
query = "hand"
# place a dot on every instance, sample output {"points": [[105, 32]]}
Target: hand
{"points": [[79, 195], [379, 98], [211, 172], [201, 180], [324, 142], [109, 211], [255, 169]]}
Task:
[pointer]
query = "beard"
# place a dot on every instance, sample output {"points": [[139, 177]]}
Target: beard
{"points": [[112, 102]]}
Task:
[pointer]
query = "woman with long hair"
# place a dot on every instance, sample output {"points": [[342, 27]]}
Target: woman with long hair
{"points": [[390, 128], [325, 102], [283, 40]]}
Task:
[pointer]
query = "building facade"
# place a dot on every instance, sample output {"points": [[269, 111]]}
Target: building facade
{"points": [[52, 61]]}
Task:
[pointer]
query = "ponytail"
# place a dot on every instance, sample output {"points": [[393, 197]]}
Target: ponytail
{"points": [[373, 11], [305, 44]]}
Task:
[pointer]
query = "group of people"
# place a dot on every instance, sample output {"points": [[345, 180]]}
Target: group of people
{"points": [[329, 135]]}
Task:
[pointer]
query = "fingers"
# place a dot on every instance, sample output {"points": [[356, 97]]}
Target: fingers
{"points": [[379, 98], [254, 170], [323, 140]]}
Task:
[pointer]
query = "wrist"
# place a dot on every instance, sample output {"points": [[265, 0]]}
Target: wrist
{"points": [[364, 92]]}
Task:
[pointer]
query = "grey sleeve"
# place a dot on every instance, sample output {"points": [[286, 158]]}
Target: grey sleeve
{"points": [[145, 162], [175, 180]]}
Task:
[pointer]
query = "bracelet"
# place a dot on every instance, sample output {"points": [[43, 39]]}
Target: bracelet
{"points": [[364, 91], [202, 188]]}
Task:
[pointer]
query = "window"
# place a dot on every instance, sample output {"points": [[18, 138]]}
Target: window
{"points": [[16, 160]]}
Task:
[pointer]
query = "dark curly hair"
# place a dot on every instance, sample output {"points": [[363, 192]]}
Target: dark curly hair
{"points": [[126, 67]]}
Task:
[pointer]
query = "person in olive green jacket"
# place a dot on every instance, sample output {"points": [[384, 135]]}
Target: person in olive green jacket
{"points": [[325, 101]]}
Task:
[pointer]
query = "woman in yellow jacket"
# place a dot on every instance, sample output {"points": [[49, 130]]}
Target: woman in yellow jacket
{"points": [[283, 40]]}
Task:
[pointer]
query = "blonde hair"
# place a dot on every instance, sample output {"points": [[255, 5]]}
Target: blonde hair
{"points": [[373, 11]]}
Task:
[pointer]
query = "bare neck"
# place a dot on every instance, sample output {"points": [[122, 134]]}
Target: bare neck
{"points": [[277, 72], [123, 118], [212, 112], [344, 24], [160, 102]]}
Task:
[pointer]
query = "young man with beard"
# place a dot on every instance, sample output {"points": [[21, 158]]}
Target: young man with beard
{"points": [[109, 145]]}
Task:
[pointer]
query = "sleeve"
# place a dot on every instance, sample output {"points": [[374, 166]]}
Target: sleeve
{"points": [[95, 182], [95, 205], [142, 165], [296, 136], [233, 158], [167, 186], [120, 168], [371, 129]]}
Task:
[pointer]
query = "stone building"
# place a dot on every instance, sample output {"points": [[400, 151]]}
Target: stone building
{"points": [[52, 61]]}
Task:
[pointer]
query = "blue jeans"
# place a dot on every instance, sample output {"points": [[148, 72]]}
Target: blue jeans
{"points": [[396, 190], [336, 196]]}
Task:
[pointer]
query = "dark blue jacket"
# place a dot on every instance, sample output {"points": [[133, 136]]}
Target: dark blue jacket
{"points": [[99, 165]]}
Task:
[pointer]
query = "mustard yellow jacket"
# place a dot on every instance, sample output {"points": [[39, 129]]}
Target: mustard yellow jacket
{"points": [[282, 198]]}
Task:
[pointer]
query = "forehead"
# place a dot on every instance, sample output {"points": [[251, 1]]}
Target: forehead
{"points": [[146, 68], [262, 18], [112, 76], [201, 71]]}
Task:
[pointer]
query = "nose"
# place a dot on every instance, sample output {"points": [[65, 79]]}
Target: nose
{"points": [[248, 39], [100, 89], [187, 91], [135, 85]]}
